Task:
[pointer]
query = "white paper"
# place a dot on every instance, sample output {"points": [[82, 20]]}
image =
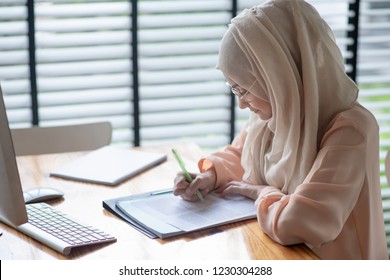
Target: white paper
{"points": [[188, 216]]}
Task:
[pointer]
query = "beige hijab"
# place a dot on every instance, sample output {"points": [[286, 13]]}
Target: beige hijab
{"points": [[289, 49]]}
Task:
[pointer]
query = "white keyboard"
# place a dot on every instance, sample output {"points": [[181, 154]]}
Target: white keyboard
{"points": [[59, 231]]}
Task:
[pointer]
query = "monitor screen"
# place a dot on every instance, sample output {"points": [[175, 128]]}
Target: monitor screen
{"points": [[12, 207]]}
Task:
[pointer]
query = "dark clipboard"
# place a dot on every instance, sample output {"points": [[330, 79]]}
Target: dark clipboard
{"points": [[110, 205], [160, 230]]}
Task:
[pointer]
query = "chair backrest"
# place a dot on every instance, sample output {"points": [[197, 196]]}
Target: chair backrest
{"points": [[60, 139]]}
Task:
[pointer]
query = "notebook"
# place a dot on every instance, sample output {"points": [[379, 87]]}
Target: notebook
{"points": [[163, 215], [109, 165]]}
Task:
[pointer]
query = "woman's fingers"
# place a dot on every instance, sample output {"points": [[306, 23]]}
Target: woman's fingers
{"points": [[203, 182], [242, 188]]}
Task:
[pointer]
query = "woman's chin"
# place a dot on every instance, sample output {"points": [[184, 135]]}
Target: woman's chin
{"points": [[262, 115]]}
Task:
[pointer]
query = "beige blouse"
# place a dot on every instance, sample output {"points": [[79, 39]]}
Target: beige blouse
{"points": [[337, 210]]}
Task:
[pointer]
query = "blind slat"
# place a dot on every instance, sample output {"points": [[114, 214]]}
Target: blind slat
{"points": [[159, 21], [178, 62], [80, 82], [13, 42], [183, 6], [179, 76], [181, 34], [178, 117], [48, 99], [83, 39], [182, 90], [84, 68], [76, 10], [192, 103], [85, 110], [173, 131], [84, 24], [13, 28], [85, 53], [178, 48]]}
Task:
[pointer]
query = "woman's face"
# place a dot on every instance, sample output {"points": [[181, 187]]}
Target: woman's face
{"points": [[257, 105], [248, 100]]}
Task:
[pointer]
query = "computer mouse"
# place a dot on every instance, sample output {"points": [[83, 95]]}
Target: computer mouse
{"points": [[41, 194]]}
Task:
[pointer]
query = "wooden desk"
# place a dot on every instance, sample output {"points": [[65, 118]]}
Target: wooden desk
{"points": [[243, 240]]}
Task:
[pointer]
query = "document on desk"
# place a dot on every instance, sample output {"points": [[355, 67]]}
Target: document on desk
{"points": [[167, 215], [109, 165]]}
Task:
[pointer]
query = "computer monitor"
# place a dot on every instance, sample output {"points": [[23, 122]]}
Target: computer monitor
{"points": [[12, 206]]}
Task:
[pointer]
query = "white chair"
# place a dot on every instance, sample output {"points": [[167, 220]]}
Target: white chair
{"points": [[60, 139]]}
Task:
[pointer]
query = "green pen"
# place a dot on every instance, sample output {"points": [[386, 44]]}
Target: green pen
{"points": [[185, 172]]}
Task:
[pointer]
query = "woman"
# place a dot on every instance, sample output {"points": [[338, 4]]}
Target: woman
{"points": [[309, 154]]}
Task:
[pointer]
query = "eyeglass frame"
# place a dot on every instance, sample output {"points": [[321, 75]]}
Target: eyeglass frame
{"points": [[235, 89]]}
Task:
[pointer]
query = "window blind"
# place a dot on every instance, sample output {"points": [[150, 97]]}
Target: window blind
{"points": [[182, 97], [83, 55], [14, 61], [373, 68], [84, 65]]}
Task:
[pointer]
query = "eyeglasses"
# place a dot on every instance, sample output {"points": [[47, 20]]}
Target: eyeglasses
{"points": [[239, 91]]}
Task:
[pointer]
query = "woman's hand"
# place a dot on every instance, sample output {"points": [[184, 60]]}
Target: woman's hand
{"points": [[204, 182], [242, 188]]}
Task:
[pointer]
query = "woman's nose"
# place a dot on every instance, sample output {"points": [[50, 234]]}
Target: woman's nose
{"points": [[242, 104]]}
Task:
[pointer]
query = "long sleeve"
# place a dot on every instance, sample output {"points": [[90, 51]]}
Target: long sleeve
{"points": [[226, 163], [316, 212], [336, 211]]}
